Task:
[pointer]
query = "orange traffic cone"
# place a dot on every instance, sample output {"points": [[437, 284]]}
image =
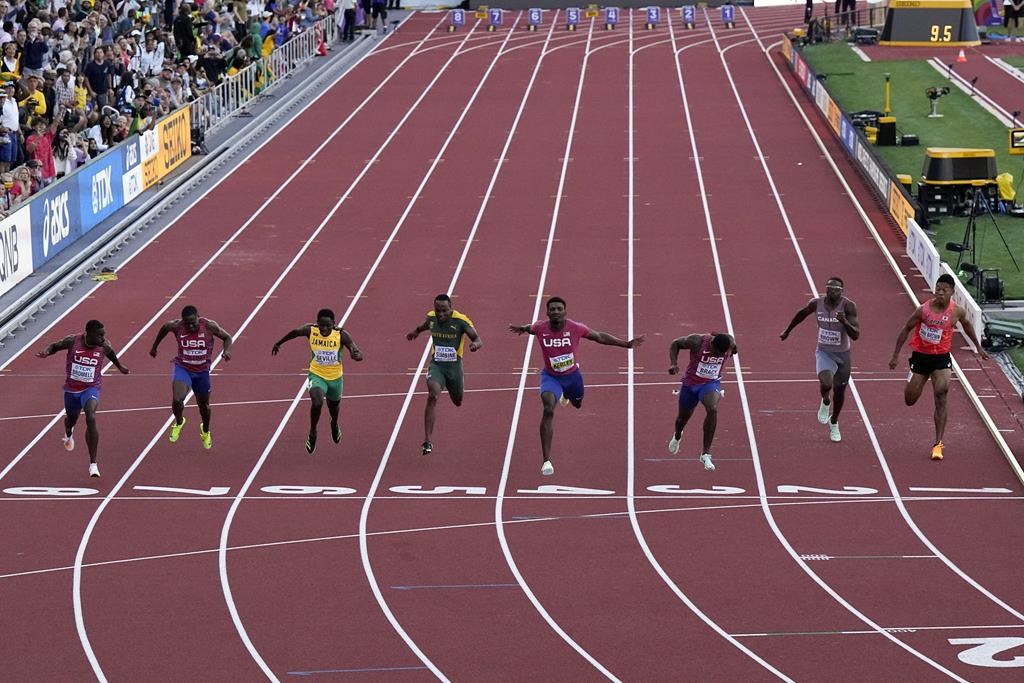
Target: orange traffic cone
{"points": [[961, 58], [321, 47]]}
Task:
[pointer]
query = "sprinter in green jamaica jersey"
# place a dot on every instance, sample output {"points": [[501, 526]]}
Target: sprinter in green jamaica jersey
{"points": [[326, 374], [447, 328]]}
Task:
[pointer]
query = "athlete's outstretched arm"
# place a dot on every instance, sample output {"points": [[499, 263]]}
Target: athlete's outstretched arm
{"points": [[62, 345], [220, 333], [520, 329], [349, 343], [160, 334], [108, 350], [294, 334], [690, 341], [915, 318], [422, 327], [475, 342], [972, 334], [799, 318], [611, 340]]}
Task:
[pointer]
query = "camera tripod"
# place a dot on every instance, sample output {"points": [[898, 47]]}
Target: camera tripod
{"points": [[979, 204]]}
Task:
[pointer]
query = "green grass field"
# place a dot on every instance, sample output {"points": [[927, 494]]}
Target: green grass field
{"points": [[857, 85]]}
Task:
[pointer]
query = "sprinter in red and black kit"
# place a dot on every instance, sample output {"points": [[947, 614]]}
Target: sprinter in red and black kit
{"points": [[84, 368], [932, 327], [192, 367]]}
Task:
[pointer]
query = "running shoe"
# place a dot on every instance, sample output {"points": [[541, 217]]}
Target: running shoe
{"points": [[833, 432], [426, 448], [563, 400], [68, 441], [673, 445], [206, 438], [335, 433], [176, 430], [937, 451], [94, 470], [311, 443], [705, 459], [823, 412], [547, 469]]}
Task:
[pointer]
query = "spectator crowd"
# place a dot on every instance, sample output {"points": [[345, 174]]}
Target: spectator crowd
{"points": [[78, 76]]}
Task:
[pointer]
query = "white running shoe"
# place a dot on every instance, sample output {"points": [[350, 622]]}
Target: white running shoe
{"points": [[673, 445], [705, 459], [68, 441], [833, 432], [94, 470], [547, 469], [563, 401], [823, 413]]}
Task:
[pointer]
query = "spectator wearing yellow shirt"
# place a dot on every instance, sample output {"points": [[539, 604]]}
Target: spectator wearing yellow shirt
{"points": [[80, 92], [10, 63], [34, 101]]}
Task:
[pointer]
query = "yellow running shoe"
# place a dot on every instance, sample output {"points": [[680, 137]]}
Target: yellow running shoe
{"points": [[176, 430], [937, 451], [206, 437]]}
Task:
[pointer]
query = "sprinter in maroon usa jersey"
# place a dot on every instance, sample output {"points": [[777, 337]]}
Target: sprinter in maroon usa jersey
{"points": [[701, 384], [192, 367], [84, 377]]}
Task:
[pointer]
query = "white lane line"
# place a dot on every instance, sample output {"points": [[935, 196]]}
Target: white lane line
{"points": [[862, 409], [744, 400], [229, 518], [364, 514], [83, 544], [450, 527], [630, 395], [502, 486], [213, 258], [894, 629]]}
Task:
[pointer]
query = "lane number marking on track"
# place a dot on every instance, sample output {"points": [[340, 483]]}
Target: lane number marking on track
{"points": [[985, 650]]}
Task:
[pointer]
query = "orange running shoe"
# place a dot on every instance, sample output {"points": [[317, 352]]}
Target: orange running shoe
{"points": [[937, 451]]}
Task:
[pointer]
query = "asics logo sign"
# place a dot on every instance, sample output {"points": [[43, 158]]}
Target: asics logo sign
{"points": [[56, 221]]}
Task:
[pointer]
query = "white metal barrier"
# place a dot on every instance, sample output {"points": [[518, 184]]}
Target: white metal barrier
{"points": [[233, 94]]}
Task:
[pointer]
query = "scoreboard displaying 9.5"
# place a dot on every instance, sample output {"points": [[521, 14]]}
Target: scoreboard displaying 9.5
{"points": [[930, 22]]}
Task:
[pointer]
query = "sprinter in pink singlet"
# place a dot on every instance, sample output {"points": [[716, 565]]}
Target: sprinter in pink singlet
{"points": [[84, 366], [932, 327], [561, 380], [192, 367], [701, 384]]}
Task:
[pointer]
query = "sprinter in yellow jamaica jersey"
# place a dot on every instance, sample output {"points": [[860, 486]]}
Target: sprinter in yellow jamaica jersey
{"points": [[447, 328], [326, 375]]}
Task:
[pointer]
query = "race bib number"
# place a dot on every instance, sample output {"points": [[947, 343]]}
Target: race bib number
{"points": [[83, 373], [326, 357], [932, 335], [829, 337], [445, 354], [563, 363], [709, 370]]}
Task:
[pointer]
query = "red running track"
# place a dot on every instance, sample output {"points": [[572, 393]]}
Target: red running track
{"points": [[650, 568]]}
